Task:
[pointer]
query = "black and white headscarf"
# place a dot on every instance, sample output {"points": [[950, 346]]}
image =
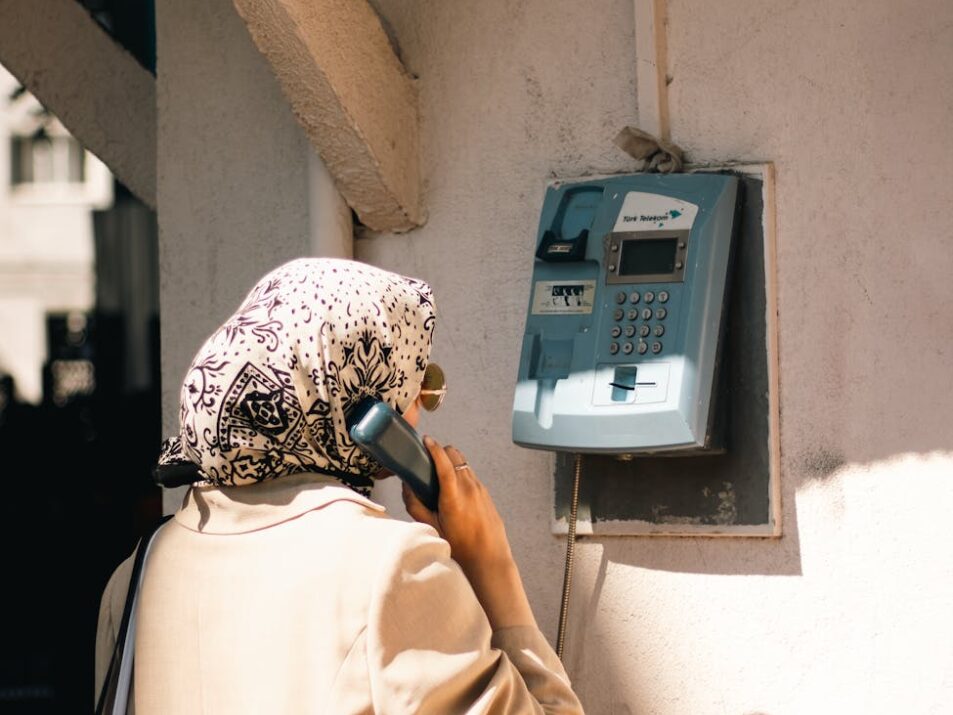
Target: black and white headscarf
{"points": [[268, 392]]}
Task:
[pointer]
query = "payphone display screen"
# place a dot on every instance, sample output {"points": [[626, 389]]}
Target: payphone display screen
{"points": [[651, 256]]}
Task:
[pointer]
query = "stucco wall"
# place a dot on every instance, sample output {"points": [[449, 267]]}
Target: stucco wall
{"points": [[849, 611]]}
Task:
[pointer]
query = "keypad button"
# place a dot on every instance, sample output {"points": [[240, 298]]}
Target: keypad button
{"points": [[616, 331], [642, 348], [629, 331], [649, 296], [656, 347], [659, 331], [633, 313], [620, 297], [618, 313], [646, 313], [627, 348], [634, 297], [663, 296], [643, 330], [660, 313], [613, 348]]}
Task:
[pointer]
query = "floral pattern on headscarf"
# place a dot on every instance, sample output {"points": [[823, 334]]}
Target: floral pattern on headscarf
{"points": [[268, 392]]}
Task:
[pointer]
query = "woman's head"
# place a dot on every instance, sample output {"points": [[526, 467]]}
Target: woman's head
{"points": [[268, 392]]}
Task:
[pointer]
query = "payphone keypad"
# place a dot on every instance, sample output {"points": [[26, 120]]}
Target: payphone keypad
{"points": [[626, 323]]}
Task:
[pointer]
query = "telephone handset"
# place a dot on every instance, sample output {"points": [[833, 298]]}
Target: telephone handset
{"points": [[388, 438]]}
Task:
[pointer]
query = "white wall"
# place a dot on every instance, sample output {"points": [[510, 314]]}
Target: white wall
{"points": [[849, 611]]}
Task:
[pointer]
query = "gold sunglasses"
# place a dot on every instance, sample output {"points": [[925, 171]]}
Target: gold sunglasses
{"points": [[433, 388]]}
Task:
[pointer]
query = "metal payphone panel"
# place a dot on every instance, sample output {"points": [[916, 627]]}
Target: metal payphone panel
{"points": [[621, 345]]}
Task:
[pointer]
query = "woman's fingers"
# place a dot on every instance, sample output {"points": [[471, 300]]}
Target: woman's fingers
{"points": [[445, 473], [466, 475]]}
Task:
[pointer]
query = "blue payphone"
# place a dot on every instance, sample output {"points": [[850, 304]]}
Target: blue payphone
{"points": [[626, 307]]}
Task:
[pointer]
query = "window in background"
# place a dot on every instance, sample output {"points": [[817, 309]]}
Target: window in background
{"points": [[42, 158]]}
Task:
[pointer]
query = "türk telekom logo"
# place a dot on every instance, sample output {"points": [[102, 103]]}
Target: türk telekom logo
{"points": [[652, 218]]}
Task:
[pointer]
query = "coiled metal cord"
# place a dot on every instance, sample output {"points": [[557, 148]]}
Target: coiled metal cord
{"points": [[570, 552]]}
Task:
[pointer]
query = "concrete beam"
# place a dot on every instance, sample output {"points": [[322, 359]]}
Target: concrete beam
{"points": [[96, 89], [357, 104]]}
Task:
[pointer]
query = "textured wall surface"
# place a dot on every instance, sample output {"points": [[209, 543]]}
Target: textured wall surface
{"points": [[849, 611]]}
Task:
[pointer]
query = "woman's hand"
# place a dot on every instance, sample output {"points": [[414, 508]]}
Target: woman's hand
{"points": [[468, 520], [466, 516]]}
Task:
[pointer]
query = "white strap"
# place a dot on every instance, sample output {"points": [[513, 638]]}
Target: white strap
{"points": [[124, 681]]}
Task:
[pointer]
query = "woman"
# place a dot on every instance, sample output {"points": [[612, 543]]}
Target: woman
{"points": [[278, 587]]}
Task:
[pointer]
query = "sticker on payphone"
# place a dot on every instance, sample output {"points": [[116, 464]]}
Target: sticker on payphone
{"points": [[562, 297]]}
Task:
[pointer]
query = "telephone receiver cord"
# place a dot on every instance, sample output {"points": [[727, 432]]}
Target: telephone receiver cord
{"points": [[570, 553]]}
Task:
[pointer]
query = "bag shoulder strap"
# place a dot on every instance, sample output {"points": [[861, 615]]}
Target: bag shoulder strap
{"points": [[112, 692]]}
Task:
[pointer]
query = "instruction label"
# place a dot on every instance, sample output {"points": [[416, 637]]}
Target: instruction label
{"points": [[563, 297]]}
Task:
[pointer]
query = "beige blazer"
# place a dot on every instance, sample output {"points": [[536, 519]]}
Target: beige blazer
{"points": [[301, 596]]}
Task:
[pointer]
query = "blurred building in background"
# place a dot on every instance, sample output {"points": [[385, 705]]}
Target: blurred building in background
{"points": [[50, 187]]}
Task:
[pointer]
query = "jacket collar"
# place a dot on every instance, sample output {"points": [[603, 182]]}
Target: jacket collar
{"points": [[238, 510]]}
